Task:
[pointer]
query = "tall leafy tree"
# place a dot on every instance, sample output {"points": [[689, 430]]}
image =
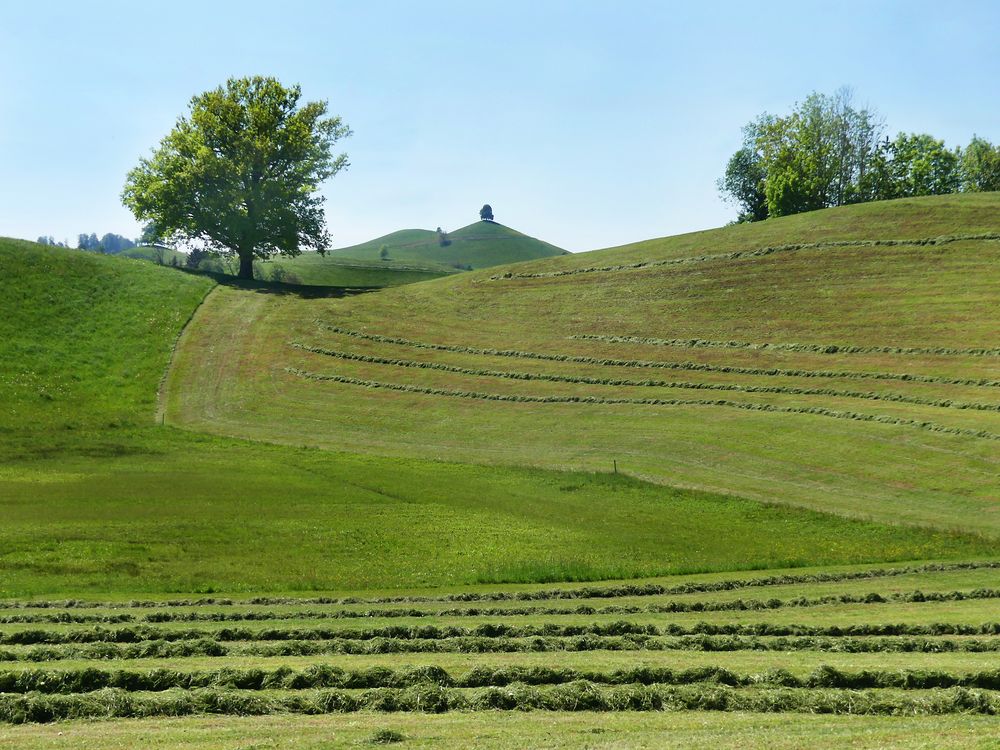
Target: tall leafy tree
{"points": [[743, 182], [923, 165], [240, 174], [981, 166]]}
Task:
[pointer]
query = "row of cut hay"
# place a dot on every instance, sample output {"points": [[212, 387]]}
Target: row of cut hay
{"points": [[139, 633], [623, 382], [789, 347], [743, 254], [573, 696], [325, 676], [593, 591], [817, 411], [207, 647], [661, 365], [733, 605]]}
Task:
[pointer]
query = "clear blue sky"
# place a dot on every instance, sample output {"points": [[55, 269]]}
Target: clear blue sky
{"points": [[587, 124]]}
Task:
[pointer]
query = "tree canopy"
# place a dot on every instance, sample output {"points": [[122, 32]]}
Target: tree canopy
{"points": [[486, 213], [241, 173], [828, 152]]}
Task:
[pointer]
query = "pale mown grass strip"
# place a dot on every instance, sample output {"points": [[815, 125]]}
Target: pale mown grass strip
{"points": [[68, 617], [790, 390], [513, 730], [810, 410], [741, 254], [654, 364]]}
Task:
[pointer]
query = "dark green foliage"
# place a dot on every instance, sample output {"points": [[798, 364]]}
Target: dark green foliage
{"points": [[981, 166], [828, 153], [486, 213]]}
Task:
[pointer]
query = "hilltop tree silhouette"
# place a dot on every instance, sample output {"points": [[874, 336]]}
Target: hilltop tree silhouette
{"points": [[486, 213]]}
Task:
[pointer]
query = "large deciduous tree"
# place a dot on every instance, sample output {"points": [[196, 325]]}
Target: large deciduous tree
{"points": [[240, 174], [981, 166]]}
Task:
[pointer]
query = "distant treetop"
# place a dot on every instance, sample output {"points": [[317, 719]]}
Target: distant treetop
{"points": [[486, 213]]}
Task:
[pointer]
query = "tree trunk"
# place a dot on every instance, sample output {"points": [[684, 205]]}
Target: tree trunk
{"points": [[246, 266]]}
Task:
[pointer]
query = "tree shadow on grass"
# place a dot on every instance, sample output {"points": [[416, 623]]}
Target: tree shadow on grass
{"points": [[304, 291]]}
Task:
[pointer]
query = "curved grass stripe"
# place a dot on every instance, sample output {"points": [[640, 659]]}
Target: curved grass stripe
{"points": [[651, 364], [791, 390], [811, 348], [582, 609], [140, 633], [818, 411], [574, 696], [90, 679], [702, 643], [611, 591], [739, 254]]}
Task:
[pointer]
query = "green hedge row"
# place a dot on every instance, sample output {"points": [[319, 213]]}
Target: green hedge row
{"points": [[817, 411], [207, 647], [811, 348], [650, 364], [582, 609], [91, 679], [780, 389], [139, 633], [738, 254], [574, 696]]}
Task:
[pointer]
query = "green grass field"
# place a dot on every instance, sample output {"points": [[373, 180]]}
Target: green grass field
{"points": [[338, 515], [480, 245]]}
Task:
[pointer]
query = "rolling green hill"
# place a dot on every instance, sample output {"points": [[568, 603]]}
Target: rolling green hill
{"points": [[314, 269], [164, 574], [478, 245], [97, 496], [844, 360]]}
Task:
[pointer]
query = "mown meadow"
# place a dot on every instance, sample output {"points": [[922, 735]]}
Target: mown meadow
{"points": [[735, 488]]}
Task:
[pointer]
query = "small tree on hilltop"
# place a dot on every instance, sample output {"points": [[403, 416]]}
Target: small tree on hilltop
{"points": [[241, 173], [486, 213]]}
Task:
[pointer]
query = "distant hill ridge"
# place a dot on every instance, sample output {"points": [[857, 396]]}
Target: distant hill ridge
{"points": [[479, 245]]}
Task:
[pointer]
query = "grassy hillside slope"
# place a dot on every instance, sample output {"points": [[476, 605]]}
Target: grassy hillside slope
{"points": [[315, 269], [96, 497], [846, 376], [84, 341], [479, 245]]}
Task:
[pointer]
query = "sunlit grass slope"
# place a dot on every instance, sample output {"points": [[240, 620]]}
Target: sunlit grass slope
{"points": [[84, 340], [809, 361], [96, 497], [479, 245]]}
